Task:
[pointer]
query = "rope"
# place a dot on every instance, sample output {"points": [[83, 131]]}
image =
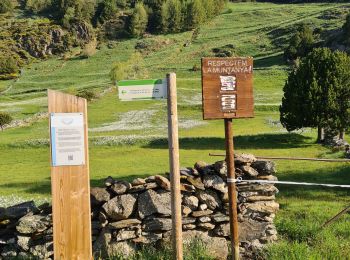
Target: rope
{"points": [[240, 181]]}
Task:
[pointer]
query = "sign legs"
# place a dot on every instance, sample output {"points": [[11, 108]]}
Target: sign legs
{"points": [[173, 136], [232, 189]]}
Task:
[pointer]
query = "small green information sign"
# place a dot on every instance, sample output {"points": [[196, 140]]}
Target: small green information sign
{"points": [[142, 89]]}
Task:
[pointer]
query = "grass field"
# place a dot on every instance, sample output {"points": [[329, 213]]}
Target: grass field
{"points": [[122, 133]]}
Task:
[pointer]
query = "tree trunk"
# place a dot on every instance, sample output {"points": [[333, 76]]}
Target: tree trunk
{"points": [[342, 134], [320, 134]]}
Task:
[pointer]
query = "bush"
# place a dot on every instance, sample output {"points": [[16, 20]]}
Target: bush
{"points": [[5, 6], [37, 6], [87, 94], [89, 49], [5, 119], [8, 66]]}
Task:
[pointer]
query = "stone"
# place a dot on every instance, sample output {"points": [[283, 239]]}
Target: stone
{"points": [[206, 226], [210, 198], [43, 251], [121, 207], [190, 201], [187, 188], [33, 224], [203, 207], [219, 217], [197, 214], [101, 245], [262, 189], [103, 219], [266, 207], [150, 179], [215, 246], [188, 220], [109, 181], [244, 159], [125, 235], [221, 168], [224, 197], [249, 230], [223, 230], [200, 166], [147, 186], [18, 211], [215, 182], [148, 238], [120, 187], [188, 172], [124, 223], [189, 226], [125, 249], [204, 219], [151, 202], [196, 182], [264, 167], [186, 211], [24, 242], [163, 182], [260, 198], [267, 178], [249, 171], [99, 196], [158, 224], [138, 181]]}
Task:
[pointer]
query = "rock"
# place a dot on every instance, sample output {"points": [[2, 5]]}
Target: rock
{"points": [[109, 181], [249, 171], [188, 172], [196, 182], [223, 230], [206, 226], [125, 235], [150, 179], [204, 219], [120, 207], [101, 245], [33, 224], [203, 207], [187, 188], [266, 207], [186, 210], [18, 211], [264, 167], [125, 249], [163, 182], [267, 178], [148, 238], [188, 220], [99, 196], [151, 202], [215, 182], [210, 198], [103, 219], [262, 189], [24, 242], [197, 214], [138, 181], [219, 217], [120, 187], [260, 198], [215, 246], [158, 224], [124, 223], [244, 159], [190, 201], [200, 166], [221, 168], [147, 186], [250, 230], [44, 251], [224, 197], [189, 226]]}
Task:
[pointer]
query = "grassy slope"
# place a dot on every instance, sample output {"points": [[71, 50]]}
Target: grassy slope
{"points": [[256, 30]]}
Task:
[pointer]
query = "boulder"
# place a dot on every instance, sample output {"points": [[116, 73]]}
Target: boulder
{"points": [[215, 182], [151, 202], [18, 211], [210, 198], [121, 207], [99, 196], [196, 182], [163, 182], [32, 224], [249, 171], [190, 201], [138, 181], [264, 167], [120, 187]]}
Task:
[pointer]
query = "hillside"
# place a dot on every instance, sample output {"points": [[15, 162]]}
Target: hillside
{"points": [[122, 133]]}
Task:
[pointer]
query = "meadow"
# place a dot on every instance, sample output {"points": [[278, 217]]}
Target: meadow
{"points": [[129, 139]]}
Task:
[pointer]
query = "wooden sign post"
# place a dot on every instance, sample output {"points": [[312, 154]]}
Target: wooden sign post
{"points": [[227, 92], [70, 179]]}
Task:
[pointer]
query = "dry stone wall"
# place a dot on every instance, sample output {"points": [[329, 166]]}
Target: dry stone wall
{"points": [[127, 215]]}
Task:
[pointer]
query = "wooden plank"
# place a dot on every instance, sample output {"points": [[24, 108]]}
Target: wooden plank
{"points": [[239, 67], [173, 136], [232, 193], [71, 192]]}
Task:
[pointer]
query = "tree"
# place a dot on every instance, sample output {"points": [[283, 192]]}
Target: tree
{"points": [[172, 16], [195, 14], [210, 9], [37, 6], [106, 10], [139, 19], [317, 92], [346, 29], [5, 119], [5, 6], [301, 43], [155, 14], [8, 65]]}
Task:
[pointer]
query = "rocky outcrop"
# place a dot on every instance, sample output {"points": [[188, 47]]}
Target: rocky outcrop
{"points": [[126, 215]]}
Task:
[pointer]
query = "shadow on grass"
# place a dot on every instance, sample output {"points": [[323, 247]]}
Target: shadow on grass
{"points": [[269, 61], [261, 141]]}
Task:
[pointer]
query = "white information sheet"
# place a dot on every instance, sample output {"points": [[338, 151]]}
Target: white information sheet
{"points": [[67, 139]]}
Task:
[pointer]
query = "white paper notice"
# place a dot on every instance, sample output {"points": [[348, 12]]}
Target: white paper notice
{"points": [[228, 83], [67, 139]]}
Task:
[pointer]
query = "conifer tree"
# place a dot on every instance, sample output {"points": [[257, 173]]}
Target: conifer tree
{"points": [[139, 20], [172, 16], [195, 14]]}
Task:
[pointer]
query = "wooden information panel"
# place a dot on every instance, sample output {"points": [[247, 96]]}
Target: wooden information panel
{"points": [[227, 88], [70, 184]]}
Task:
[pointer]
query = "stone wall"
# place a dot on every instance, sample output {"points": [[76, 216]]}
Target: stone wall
{"points": [[126, 215]]}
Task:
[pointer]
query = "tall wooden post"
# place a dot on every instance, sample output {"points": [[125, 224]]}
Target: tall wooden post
{"points": [[232, 189], [71, 192], [174, 168]]}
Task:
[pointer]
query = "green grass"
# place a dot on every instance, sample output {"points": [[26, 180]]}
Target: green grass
{"points": [[255, 29]]}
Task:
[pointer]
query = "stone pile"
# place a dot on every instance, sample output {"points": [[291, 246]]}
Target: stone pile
{"points": [[126, 215]]}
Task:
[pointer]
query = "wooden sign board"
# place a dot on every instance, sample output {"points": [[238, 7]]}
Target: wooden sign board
{"points": [[227, 88], [70, 180]]}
